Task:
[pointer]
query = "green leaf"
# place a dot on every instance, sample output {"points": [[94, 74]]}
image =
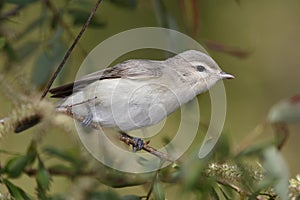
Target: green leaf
{"points": [[16, 165], [27, 49], [226, 192], [103, 196], [131, 197], [42, 69], [46, 62], [31, 153], [161, 13], [21, 2], [163, 17], [9, 50], [287, 110], [43, 177], [56, 37], [15, 191], [80, 16], [277, 170], [2, 42], [158, 190], [57, 197], [9, 152], [125, 3], [254, 150], [61, 169], [31, 27], [64, 155]]}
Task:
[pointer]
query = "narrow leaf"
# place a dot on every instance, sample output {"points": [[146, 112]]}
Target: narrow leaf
{"points": [[15, 191], [125, 3], [158, 190], [67, 156], [2, 42], [46, 62], [80, 16], [104, 195], [131, 197], [63, 169], [31, 27], [27, 49], [161, 13], [277, 170], [21, 2], [9, 50], [43, 177], [31, 153], [15, 166]]}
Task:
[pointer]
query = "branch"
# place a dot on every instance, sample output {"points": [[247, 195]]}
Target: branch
{"points": [[130, 141], [235, 188], [61, 65]]}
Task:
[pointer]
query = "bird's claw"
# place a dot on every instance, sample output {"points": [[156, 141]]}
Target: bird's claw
{"points": [[88, 119], [139, 144]]}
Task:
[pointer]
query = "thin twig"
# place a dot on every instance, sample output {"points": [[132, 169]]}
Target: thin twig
{"points": [[235, 188], [61, 65], [244, 192]]}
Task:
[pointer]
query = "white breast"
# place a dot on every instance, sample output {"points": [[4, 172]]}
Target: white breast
{"points": [[129, 104]]}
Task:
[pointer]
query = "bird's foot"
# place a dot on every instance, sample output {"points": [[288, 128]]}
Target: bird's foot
{"points": [[88, 119], [139, 144]]}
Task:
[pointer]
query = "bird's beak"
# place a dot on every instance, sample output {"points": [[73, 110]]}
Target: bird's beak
{"points": [[225, 75]]}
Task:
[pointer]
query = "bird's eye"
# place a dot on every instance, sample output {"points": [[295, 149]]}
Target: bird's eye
{"points": [[200, 68]]}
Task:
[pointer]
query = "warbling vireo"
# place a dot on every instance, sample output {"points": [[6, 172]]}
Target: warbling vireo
{"points": [[139, 93]]}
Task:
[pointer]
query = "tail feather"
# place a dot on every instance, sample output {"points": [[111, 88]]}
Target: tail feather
{"points": [[62, 91]]}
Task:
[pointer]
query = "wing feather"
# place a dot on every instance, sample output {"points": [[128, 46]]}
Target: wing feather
{"points": [[131, 69]]}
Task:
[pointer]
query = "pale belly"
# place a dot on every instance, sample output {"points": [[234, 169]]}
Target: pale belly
{"points": [[127, 104]]}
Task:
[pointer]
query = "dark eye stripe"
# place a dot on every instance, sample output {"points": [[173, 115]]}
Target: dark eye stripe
{"points": [[200, 68]]}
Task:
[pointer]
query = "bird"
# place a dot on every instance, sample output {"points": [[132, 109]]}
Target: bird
{"points": [[137, 93]]}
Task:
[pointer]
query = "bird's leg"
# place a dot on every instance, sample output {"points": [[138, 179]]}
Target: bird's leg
{"points": [[90, 116], [137, 143], [88, 119]]}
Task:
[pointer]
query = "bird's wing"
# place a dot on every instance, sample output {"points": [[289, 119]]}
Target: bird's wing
{"points": [[131, 69]]}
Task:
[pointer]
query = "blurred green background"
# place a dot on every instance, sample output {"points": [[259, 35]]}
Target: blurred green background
{"points": [[267, 32]]}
